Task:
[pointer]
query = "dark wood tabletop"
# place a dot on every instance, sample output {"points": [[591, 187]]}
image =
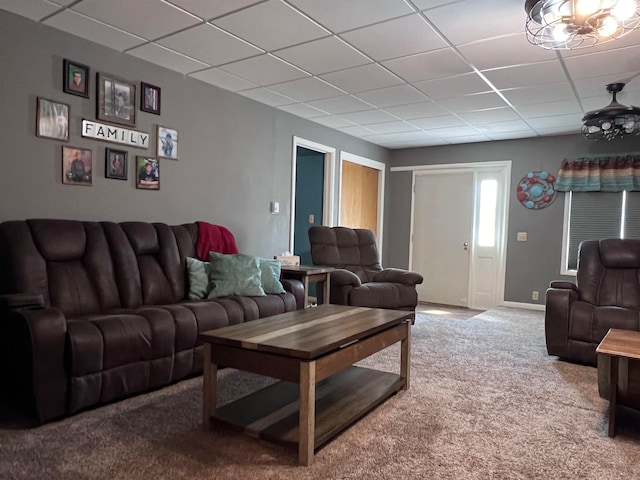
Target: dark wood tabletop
{"points": [[307, 269]]}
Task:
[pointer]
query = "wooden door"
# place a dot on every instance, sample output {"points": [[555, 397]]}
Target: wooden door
{"points": [[359, 196]]}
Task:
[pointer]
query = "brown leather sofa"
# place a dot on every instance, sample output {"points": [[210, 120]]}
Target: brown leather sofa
{"points": [[606, 295], [359, 279], [95, 311]]}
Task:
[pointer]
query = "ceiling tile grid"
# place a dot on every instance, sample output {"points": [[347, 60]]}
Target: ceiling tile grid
{"points": [[399, 73]]}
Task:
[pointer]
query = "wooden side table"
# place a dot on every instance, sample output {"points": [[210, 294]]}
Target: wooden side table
{"points": [[306, 274], [618, 343]]}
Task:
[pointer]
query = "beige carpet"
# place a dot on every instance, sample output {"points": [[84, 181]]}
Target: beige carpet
{"points": [[486, 402]]}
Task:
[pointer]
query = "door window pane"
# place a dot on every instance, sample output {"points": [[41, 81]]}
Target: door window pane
{"points": [[487, 220]]}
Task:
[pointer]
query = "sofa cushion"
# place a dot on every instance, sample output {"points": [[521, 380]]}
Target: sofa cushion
{"points": [[237, 274], [198, 273]]}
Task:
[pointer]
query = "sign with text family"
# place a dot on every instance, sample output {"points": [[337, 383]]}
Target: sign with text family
{"points": [[111, 133]]}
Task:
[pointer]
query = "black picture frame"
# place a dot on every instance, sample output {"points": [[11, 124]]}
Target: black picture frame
{"points": [[75, 78], [115, 163], [150, 98], [115, 100], [52, 119]]}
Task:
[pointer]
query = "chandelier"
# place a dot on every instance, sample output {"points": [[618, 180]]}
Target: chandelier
{"points": [[567, 24], [613, 121]]}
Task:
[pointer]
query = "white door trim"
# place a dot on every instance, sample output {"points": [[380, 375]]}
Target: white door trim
{"points": [[329, 182], [505, 167], [382, 168]]}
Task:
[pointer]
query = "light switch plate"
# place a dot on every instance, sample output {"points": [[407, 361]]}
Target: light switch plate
{"points": [[522, 236], [275, 207]]}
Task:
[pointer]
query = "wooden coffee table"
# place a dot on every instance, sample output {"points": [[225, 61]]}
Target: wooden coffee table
{"points": [[312, 351]]}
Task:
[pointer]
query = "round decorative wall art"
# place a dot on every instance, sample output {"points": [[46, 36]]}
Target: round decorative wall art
{"points": [[536, 190]]}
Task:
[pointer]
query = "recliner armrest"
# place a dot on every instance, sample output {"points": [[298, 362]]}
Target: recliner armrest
{"points": [[564, 285], [344, 277], [20, 300], [397, 275]]}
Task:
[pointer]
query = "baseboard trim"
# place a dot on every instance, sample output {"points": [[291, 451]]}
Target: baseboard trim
{"points": [[527, 306]]}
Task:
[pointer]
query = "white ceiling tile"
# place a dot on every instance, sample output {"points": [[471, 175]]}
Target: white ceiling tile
{"points": [[471, 20], [167, 58], [271, 25], [333, 122], [526, 75], [553, 92], [392, 127], [33, 9], [357, 131], [629, 40], [159, 18], [428, 4], [98, 32], [503, 51], [481, 117], [302, 110], [207, 9], [360, 79], [448, 132], [467, 138], [391, 96], [613, 62], [453, 86], [376, 138], [469, 103], [416, 110], [324, 55], [264, 70], [556, 121], [196, 42], [368, 116], [498, 127], [306, 89], [338, 15], [223, 79], [428, 66], [408, 136], [563, 107], [511, 135], [395, 38], [264, 95], [340, 105], [442, 121], [594, 86], [563, 130]]}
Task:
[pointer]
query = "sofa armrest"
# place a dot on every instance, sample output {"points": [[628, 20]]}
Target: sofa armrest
{"points": [[20, 300], [558, 305], [397, 275], [343, 277], [32, 366], [296, 287], [562, 284]]}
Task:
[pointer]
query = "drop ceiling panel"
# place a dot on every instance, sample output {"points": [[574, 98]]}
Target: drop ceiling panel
{"points": [[482, 117], [264, 95], [149, 19], [438, 122], [340, 105], [428, 4], [360, 79], [33, 9], [594, 86], [450, 132], [357, 131], [539, 94], [196, 42], [470, 103], [307, 89], [428, 66], [368, 116], [573, 121], [453, 86], [271, 25], [501, 127], [160, 55], [302, 110], [612, 62], [467, 138], [402, 36], [408, 136], [207, 9], [511, 135], [339, 16], [324, 55], [391, 96], [95, 31], [264, 70], [472, 20], [526, 75], [630, 40], [223, 79], [416, 110], [332, 121], [392, 127], [562, 107]]}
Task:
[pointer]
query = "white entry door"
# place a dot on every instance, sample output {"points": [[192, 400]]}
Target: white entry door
{"points": [[459, 228]]}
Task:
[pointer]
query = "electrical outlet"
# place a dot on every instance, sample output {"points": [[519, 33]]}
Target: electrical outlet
{"points": [[312, 218], [534, 295]]}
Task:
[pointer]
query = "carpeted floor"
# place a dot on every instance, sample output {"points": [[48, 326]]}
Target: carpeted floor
{"points": [[486, 402]]}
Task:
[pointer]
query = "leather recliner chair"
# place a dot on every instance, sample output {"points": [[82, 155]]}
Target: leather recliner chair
{"points": [[359, 279]]}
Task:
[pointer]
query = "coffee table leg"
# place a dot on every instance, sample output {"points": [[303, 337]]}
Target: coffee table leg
{"points": [[613, 375], [209, 388], [405, 357], [307, 424]]}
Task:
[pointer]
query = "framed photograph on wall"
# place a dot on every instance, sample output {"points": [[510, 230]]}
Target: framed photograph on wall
{"points": [[75, 78], [115, 163], [52, 119], [167, 143], [77, 166], [116, 100], [149, 98], [147, 173]]}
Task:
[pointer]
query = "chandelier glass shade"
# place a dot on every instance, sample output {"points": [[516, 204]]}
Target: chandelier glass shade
{"points": [[569, 24], [613, 121]]}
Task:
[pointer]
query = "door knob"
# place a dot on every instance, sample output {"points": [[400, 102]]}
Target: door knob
{"points": [[466, 245]]}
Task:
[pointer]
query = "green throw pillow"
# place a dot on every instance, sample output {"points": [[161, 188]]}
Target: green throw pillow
{"points": [[270, 276], [237, 274], [198, 274]]}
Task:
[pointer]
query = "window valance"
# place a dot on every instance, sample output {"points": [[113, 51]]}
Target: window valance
{"points": [[599, 174]]}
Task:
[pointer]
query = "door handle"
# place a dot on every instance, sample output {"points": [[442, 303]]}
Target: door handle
{"points": [[466, 245]]}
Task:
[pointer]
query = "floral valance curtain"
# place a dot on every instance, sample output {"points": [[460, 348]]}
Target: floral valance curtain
{"points": [[599, 174]]}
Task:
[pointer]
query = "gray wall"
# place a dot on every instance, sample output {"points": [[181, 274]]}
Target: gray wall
{"points": [[234, 153], [530, 265]]}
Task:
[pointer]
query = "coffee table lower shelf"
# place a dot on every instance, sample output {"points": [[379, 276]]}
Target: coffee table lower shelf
{"points": [[273, 413]]}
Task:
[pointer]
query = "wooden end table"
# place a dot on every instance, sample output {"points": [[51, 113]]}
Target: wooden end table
{"points": [[312, 351], [306, 274], [617, 343]]}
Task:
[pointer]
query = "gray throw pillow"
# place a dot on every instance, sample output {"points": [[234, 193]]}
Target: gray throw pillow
{"points": [[237, 274], [198, 275], [270, 276]]}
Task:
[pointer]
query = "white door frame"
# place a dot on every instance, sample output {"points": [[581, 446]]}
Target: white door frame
{"points": [[503, 215], [329, 182], [382, 168]]}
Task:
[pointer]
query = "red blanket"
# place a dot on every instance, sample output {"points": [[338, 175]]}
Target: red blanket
{"points": [[214, 238]]}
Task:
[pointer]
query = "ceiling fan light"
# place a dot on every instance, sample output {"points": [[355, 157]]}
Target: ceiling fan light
{"points": [[560, 33], [587, 7], [624, 9], [609, 27]]}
